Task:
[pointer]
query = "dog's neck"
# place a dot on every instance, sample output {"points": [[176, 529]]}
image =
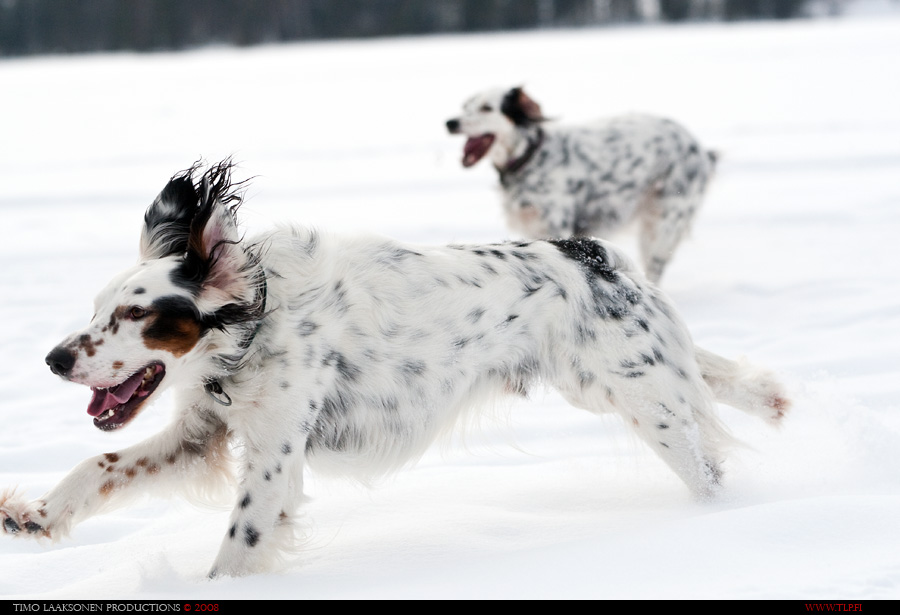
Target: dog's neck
{"points": [[213, 386], [513, 151]]}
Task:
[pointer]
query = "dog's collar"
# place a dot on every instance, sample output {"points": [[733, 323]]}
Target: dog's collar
{"points": [[515, 164], [214, 389]]}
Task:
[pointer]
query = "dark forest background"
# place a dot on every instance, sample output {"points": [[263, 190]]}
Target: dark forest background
{"points": [[66, 26]]}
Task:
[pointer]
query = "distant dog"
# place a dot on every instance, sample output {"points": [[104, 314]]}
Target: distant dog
{"points": [[592, 179], [354, 354]]}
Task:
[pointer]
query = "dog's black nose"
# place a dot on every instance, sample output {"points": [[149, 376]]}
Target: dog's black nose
{"points": [[453, 126], [61, 361]]}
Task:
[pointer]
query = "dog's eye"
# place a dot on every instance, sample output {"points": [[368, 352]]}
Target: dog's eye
{"points": [[137, 312], [486, 108]]}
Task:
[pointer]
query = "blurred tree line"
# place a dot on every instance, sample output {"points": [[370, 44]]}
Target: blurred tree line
{"points": [[59, 26]]}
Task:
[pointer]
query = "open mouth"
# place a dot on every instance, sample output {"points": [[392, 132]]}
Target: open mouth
{"points": [[115, 406], [476, 148]]}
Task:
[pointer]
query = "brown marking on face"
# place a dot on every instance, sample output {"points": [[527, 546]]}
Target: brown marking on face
{"points": [[101, 464], [142, 462], [111, 457], [117, 365], [42, 512], [130, 472], [172, 458], [88, 345], [153, 468], [114, 318], [177, 335], [110, 468]]}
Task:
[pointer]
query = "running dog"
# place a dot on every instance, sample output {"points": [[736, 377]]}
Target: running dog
{"points": [[353, 354], [588, 180]]}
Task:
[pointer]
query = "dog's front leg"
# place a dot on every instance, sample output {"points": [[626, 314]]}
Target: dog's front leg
{"points": [[261, 522], [193, 447]]}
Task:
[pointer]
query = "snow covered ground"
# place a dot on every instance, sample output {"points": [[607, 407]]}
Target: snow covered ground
{"points": [[793, 263]]}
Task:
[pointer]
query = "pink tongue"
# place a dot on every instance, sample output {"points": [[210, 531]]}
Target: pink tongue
{"points": [[475, 148], [104, 399]]}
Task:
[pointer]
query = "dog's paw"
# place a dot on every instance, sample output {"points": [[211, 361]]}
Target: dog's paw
{"points": [[779, 403], [769, 397], [21, 517]]}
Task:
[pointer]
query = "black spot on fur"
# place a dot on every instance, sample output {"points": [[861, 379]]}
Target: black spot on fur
{"points": [[33, 528], [413, 367], [475, 315], [251, 535], [662, 426], [530, 290], [139, 291], [245, 501], [586, 379], [232, 531], [487, 267], [614, 296], [286, 448], [590, 254], [395, 254], [306, 328], [345, 369]]}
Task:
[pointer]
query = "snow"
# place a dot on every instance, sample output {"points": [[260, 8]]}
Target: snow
{"points": [[792, 263]]}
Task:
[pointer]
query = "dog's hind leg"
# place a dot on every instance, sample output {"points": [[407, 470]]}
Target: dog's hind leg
{"points": [[686, 437], [190, 455], [667, 214], [670, 409], [743, 386], [665, 222]]}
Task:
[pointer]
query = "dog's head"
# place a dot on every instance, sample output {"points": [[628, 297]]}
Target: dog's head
{"points": [[493, 116], [184, 314]]}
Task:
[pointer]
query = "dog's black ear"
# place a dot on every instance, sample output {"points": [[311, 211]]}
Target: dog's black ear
{"points": [[167, 222], [216, 268], [519, 108]]}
